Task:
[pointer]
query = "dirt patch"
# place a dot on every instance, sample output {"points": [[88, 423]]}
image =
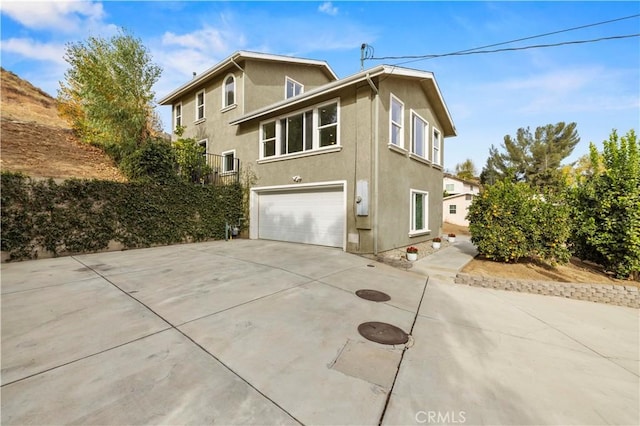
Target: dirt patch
{"points": [[575, 271], [35, 141]]}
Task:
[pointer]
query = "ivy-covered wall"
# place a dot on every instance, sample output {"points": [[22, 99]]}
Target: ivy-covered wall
{"points": [[79, 216]]}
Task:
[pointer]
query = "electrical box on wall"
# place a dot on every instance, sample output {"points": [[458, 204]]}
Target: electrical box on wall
{"points": [[362, 198]]}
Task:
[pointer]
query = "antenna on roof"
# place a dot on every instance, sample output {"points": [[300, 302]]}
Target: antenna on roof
{"points": [[366, 52]]}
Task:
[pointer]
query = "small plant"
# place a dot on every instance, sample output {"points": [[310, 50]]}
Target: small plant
{"points": [[452, 235], [437, 240], [412, 249]]}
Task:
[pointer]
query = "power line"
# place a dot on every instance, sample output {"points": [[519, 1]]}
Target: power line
{"points": [[510, 49], [461, 52]]}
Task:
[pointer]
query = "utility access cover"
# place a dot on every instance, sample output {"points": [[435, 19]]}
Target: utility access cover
{"points": [[373, 295], [381, 332]]}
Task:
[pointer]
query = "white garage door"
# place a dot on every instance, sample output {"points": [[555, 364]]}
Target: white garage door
{"points": [[311, 216]]}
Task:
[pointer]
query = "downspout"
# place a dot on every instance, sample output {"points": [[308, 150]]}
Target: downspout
{"points": [[375, 165]]}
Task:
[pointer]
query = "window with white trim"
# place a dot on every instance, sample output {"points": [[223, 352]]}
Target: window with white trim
{"points": [[436, 142], [304, 131], [203, 145], [396, 118], [229, 92], [468, 197], [453, 209], [200, 105], [419, 135], [292, 88], [177, 115], [450, 187], [419, 211], [229, 161]]}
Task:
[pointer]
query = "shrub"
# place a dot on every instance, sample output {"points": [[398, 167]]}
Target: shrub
{"points": [[606, 208], [154, 161], [509, 221]]}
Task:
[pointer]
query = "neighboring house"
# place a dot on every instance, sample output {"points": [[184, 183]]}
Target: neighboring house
{"points": [[459, 194], [354, 163]]}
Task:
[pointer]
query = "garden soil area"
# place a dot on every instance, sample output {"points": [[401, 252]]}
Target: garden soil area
{"points": [[575, 271]]}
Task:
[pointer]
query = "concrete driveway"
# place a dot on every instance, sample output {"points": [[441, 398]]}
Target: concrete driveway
{"points": [[260, 332]]}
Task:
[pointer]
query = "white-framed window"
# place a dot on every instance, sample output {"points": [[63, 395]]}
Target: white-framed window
{"points": [[304, 131], [436, 143], [453, 209], [177, 115], [203, 145], [419, 135], [396, 118], [419, 211], [292, 88], [468, 197], [229, 161], [229, 91], [450, 187], [200, 105]]}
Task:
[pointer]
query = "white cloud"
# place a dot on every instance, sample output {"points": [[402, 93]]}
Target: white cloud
{"points": [[65, 16], [34, 50], [328, 8]]}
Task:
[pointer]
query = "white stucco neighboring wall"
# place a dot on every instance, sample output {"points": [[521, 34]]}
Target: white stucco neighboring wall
{"points": [[461, 203]]}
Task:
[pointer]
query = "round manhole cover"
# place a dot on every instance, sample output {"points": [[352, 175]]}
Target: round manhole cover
{"points": [[381, 332], [373, 295]]}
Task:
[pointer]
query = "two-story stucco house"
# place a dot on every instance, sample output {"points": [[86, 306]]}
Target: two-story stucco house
{"points": [[354, 163], [459, 196]]}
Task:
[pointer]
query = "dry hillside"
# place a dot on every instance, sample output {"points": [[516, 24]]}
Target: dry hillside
{"points": [[35, 141]]}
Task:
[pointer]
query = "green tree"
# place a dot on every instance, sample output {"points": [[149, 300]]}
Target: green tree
{"points": [[190, 158], [107, 92], [466, 170], [606, 207], [532, 157], [509, 221]]}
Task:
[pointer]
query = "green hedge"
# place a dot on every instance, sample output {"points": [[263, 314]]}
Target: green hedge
{"points": [[79, 216]]}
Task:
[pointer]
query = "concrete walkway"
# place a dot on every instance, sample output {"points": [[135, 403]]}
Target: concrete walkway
{"points": [[260, 332]]}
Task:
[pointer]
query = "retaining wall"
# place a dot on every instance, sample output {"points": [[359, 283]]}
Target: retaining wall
{"points": [[622, 295]]}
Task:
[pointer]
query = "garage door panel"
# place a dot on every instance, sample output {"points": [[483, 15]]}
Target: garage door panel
{"points": [[311, 217]]}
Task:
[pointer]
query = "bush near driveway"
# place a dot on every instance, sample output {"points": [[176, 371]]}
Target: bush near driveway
{"points": [[80, 216], [509, 221], [606, 208]]}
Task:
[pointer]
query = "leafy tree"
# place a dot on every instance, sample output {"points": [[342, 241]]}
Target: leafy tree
{"points": [[532, 157], [606, 207], [107, 93], [509, 221], [190, 158], [466, 170]]}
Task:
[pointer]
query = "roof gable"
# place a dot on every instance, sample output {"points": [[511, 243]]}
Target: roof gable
{"points": [[426, 80], [232, 62]]}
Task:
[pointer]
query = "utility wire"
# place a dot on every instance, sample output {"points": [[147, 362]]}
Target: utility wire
{"points": [[510, 49], [421, 57]]}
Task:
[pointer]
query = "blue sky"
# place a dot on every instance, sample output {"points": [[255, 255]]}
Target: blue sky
{"points": [[596, 85]]}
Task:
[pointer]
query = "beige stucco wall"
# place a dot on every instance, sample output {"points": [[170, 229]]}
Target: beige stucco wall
{"points": [[398, 172], [462, 208]]}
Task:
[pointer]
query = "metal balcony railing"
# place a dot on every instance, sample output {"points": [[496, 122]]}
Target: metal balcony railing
{"points": [[215, 169]]}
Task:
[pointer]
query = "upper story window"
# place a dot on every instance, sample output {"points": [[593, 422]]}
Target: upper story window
{"points": [[177, 115], [229, 92], [396, 116], [419, 135], [450, 187], [200, 105], [314, 129], [292, 88], [437, 155]]}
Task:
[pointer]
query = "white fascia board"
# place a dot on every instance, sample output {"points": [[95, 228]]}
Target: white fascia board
{"points": [[241, 54]]}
